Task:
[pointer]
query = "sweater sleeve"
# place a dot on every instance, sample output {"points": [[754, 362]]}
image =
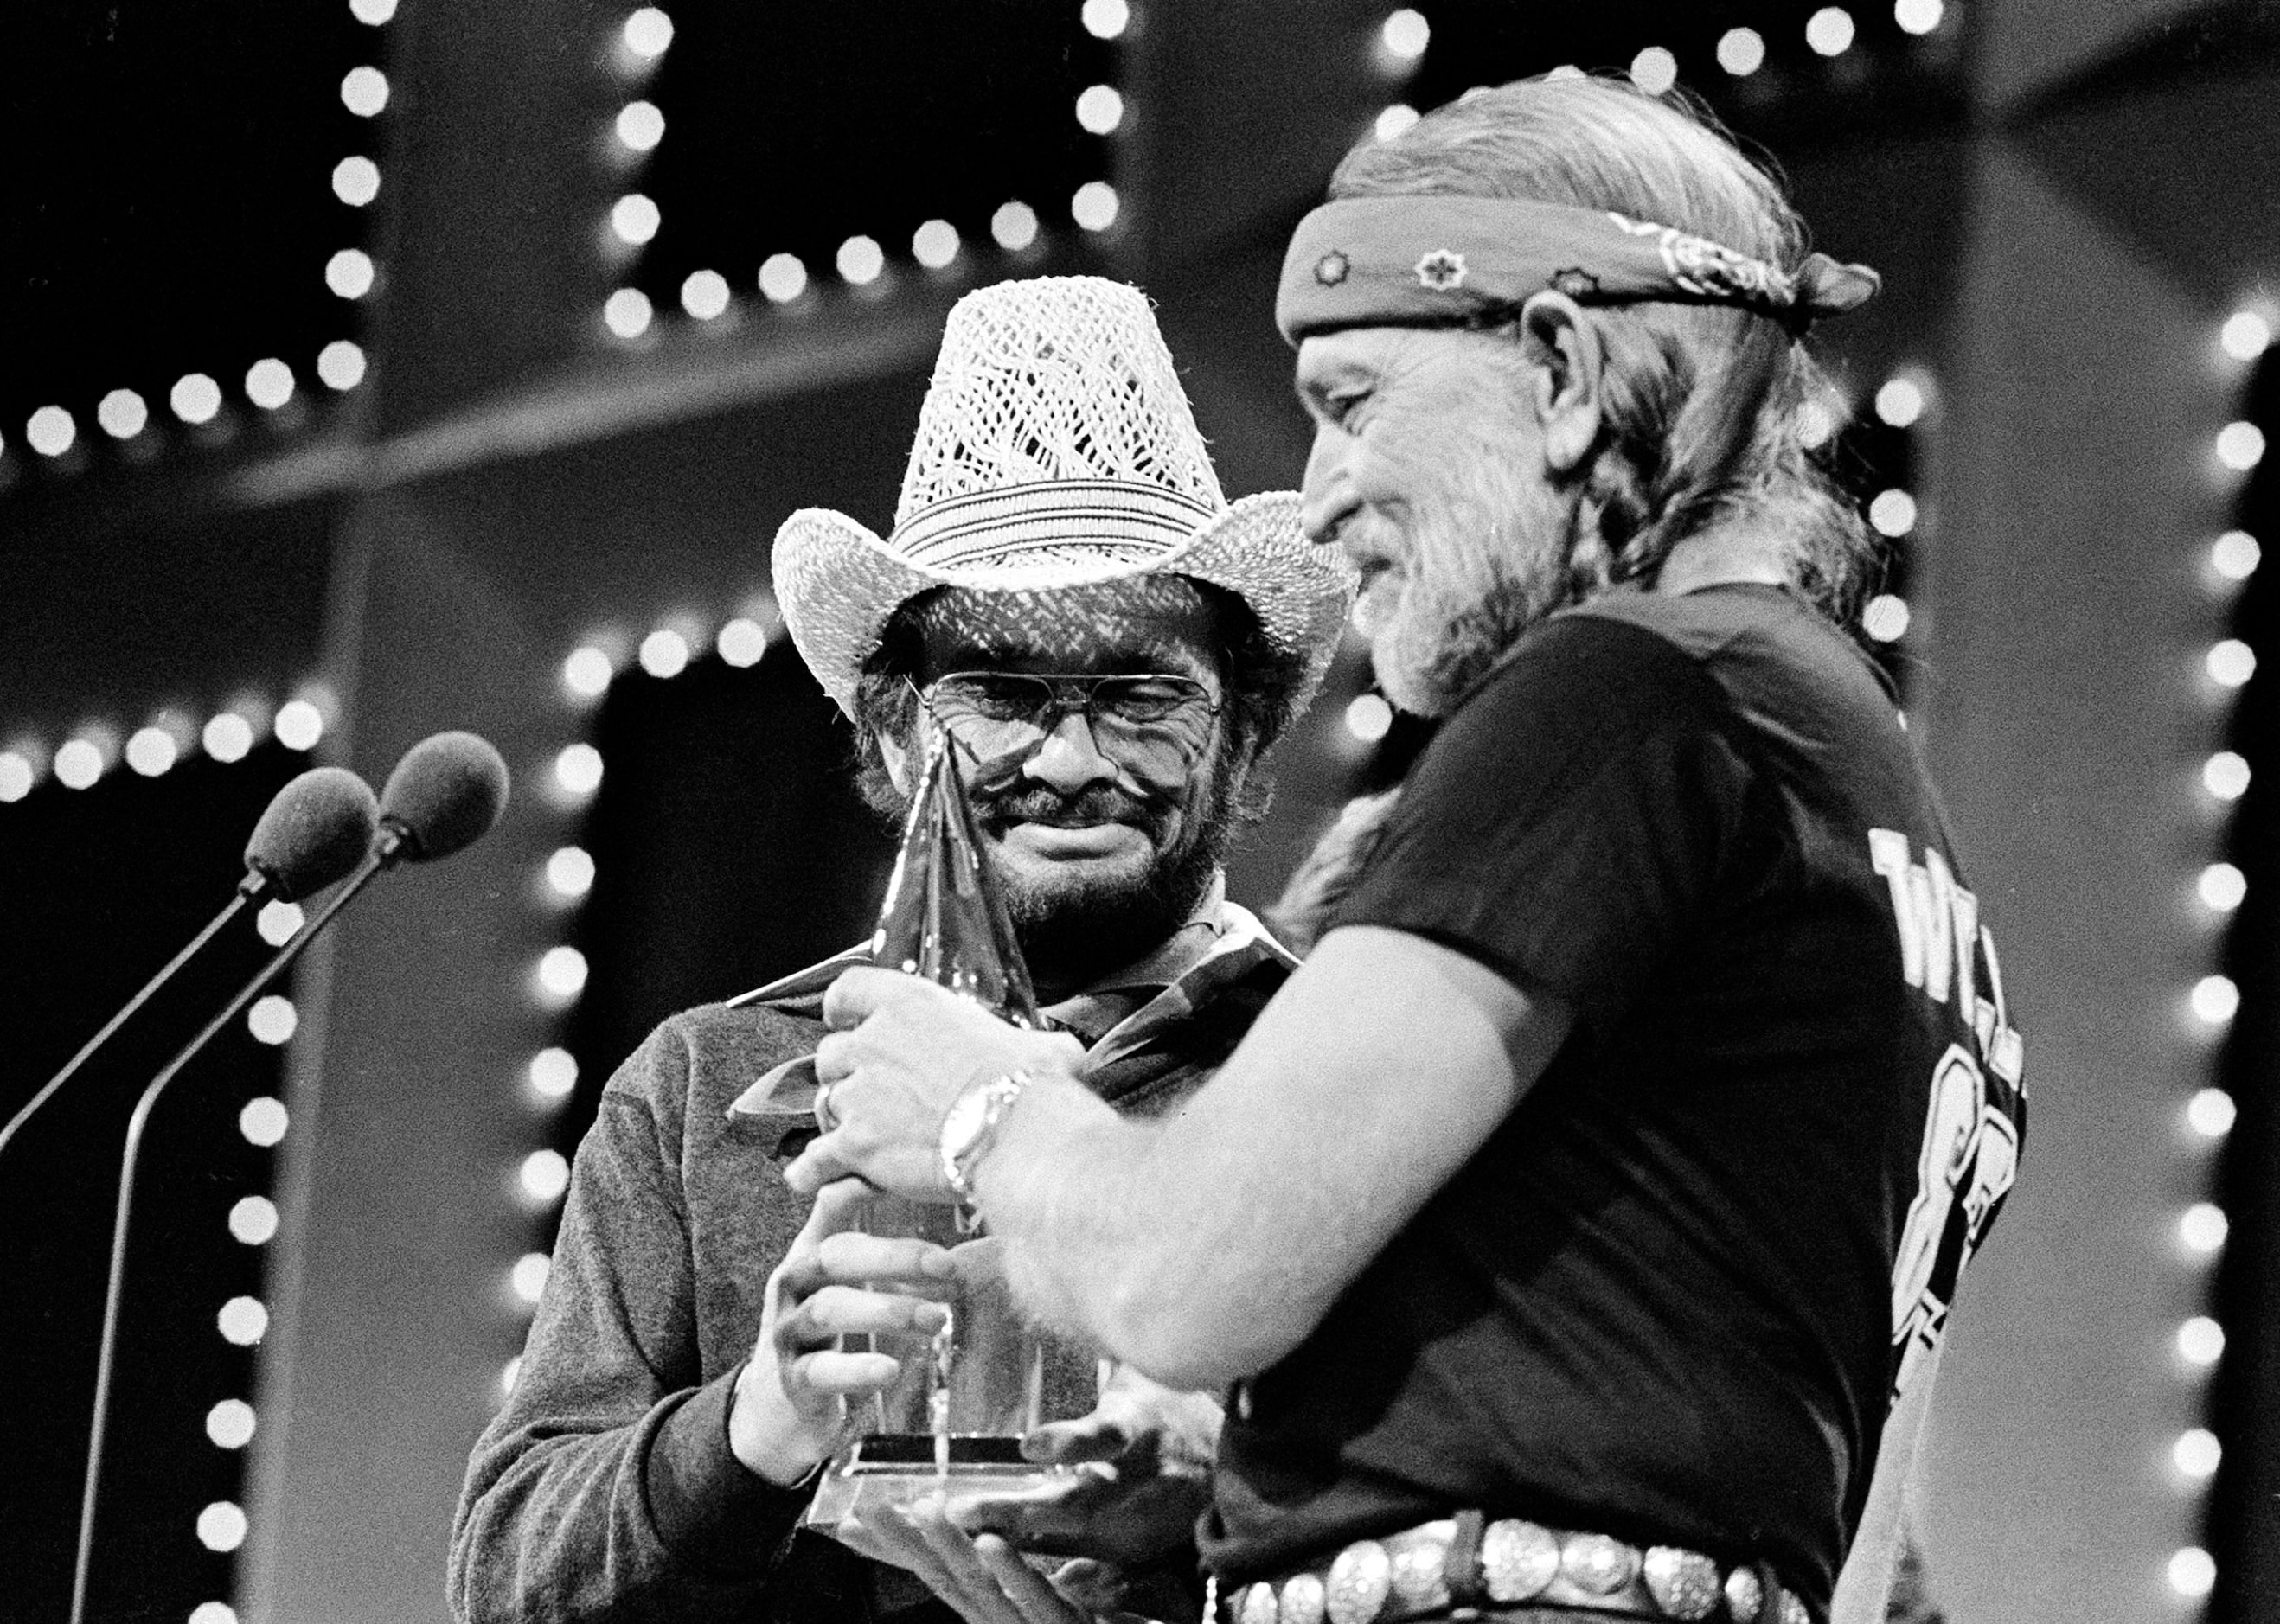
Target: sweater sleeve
{"points": [[605, 1488]]}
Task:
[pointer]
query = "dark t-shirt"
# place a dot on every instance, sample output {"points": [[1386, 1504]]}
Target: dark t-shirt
{"points": [[1671, 1298]]}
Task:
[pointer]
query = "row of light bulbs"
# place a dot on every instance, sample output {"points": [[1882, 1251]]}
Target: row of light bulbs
{"points": [[2214, 1000], [95, 748]]}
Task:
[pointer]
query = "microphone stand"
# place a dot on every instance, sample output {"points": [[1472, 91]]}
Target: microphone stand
{"points": [[254, 886], [386, 847]]}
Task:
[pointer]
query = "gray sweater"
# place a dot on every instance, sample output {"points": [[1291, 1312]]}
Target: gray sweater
{"points": [[605, 1488]]}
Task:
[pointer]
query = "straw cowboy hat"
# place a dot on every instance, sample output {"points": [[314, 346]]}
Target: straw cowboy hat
{"points": [[1055, 449]]}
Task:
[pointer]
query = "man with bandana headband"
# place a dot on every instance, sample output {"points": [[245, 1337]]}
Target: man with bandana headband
{"points": [[1577, 1228], [1110, 647]]}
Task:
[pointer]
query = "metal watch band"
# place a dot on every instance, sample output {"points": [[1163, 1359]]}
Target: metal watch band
{"points": [[963, 1148]]}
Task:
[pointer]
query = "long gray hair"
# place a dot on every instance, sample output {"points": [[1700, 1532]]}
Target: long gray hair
{"points": [[1701, 401]]}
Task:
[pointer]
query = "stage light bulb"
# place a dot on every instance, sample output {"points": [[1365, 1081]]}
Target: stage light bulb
{"points": [[1100, 109], [194, 398], [230, 1424], [263, 1122], [79, 762], [705, 295], [365, 91], [2240, 446], [1014, 225], [2192, 1571], [553, 1074], [299, 725], [543, 1176], [664, 653], [279, 922], [1106, 19], [1829, 31], [1395, 121], [635, 219], [1094, 206], [372, 13], [1368, 717], [782, 278], [356, 181], [934, 245], [1816, 424], [640, 127], [2215, 999], [1893, 512], [2225, 775], [243, 1320], [1900, 401], [627, 312], [1655, 70], [227, 736], [1405, 34], [562, 974], [587, 672], [860, 260], [253, 1221], [214, 1612], [1919, 15], [348, 273], [2235, 555], [1741, 51], [2200, 1341], [340, 364], [49, 431], [578, 769], [269, 383], [2221, 886], [151, 752], [122, 414], [649, 32], [528, 1276], [742, 642], [2210, 1113], [2197, 1452], [221, 1526], [2231, 663], [2244, 335], [2203, 1228], [570, 871], [1886, 618], [273, 1020], [16, 776]]}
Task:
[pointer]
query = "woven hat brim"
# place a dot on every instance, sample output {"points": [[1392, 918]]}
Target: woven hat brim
{"points": [[838, 583]]}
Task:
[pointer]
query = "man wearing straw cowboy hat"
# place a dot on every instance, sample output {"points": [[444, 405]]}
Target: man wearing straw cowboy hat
{"points": [[1578, 1227], [1068, 594]]}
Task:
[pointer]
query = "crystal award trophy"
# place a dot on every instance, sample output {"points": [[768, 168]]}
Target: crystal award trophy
{"points": [[955, 1417]]}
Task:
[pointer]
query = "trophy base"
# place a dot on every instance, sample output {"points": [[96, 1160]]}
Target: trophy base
{"points": [[898, 1469]]}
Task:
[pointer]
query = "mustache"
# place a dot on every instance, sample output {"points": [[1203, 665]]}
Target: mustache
{"points": [[1036, 803]]}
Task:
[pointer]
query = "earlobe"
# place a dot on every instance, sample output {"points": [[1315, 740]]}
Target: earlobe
{"points": [[897, 763], [1563, 343]]}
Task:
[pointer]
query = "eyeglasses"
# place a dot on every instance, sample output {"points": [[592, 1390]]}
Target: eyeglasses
{"points": [[1153, 721]]}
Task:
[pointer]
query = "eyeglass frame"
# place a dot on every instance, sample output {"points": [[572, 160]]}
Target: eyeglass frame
{"points": [[1059, 682]]}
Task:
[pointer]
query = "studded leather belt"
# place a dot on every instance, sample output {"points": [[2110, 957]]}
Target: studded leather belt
{"points": [[1465, 1562]]}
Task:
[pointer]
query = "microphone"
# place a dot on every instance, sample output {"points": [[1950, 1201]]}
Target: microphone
{"points": [[313, 832], [444, 795]]}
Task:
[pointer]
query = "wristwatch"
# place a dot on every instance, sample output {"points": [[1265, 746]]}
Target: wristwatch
{"points": [[969, 1128]]}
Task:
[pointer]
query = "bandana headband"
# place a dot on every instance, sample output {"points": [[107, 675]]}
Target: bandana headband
{"points": [[1440, 260]]}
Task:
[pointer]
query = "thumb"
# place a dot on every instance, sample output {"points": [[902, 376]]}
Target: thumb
{"points": [[1098, 1436], [859, 993]]}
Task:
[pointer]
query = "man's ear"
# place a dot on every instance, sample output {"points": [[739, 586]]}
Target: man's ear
{"points": [[896, 761], [1567, 364]]}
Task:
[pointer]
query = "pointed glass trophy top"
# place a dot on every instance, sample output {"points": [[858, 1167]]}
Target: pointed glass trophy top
{"points": [[944, 917]]}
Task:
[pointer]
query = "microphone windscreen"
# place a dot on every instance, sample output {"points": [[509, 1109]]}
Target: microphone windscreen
{"points": [[444, 795], [313, 832]]}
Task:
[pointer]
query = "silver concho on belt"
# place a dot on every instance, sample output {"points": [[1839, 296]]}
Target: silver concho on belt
{"points": [[1518, 1559], [1360, 1579]]}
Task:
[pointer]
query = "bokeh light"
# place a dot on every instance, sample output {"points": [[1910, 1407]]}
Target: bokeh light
{"points": [[1893, 512], [1405, 34], [578, 769], [278, 921], [243, 1320], [2221, 886], [348, 273], [230, 1424], [1919, 15], [1106, 19], [269, 383], [1886, 618], [151, 752], [640, 127], [742, 642], [195, 397], [1014, 225], [2235, 555], [2240, 446], [1829, 31], [562, 973], [2203, 1228], [2244, 335], [627, 312], [1095, 205], [365, 91], [649, 32], [859, 261], [528, 1276], [1368, 717], [273, 1020], [356, 180], [1395, 121], [122, 414], [705, 295], [2192, 1571], [782, 278], [1100, 109], [553, 1074], [2230, 663], [2225, 775], [934, 245], [1655, 70], [543, 1176], [253, 1221], [228, 737], [49, 431], [664, 653], [299, 725], [263, 1122], [2200, 1341], [2210, 1113], [587, 672], [570, 871], [1741, 51], [221, 1526]]}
